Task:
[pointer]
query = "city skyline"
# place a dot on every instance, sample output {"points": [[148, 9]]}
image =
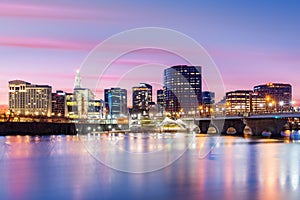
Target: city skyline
{"points": [[209, 95], [46, 42]]}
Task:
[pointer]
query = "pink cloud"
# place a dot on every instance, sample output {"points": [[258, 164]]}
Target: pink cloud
{"points": [[50, 11], [45, 43], [130, 62]]}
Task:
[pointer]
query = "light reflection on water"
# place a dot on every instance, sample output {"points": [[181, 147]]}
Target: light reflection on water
{"points": [[59, 167]]}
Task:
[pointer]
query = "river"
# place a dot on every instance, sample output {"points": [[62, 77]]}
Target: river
{"points": [[148, 167]]}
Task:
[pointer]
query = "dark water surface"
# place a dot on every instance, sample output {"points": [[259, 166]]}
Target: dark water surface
{"points": [[62, 167]]}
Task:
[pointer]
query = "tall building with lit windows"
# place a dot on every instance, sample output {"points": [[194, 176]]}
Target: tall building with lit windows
{"points": [[208, 98], [59, 106], [258, 103], [72, 107], [183, 89], [278, 96], [160, 101], [141, 99], [115, 102], [29, 99], [238, 102]]}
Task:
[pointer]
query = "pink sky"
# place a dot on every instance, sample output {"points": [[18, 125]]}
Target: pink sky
{"points": [[251, 43]]}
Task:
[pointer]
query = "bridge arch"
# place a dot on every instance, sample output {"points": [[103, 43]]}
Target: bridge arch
{"points": [[231, 130], [212, 129]]}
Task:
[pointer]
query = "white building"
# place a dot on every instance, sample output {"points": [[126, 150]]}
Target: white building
{"points": [[29, 99]]}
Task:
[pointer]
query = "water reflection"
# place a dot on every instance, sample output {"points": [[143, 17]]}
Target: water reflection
{"points": [[138, 152], [60, 167]]}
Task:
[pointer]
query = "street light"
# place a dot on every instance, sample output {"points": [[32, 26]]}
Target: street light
{"points": [[281, 103], [292, 104], [270, 104]]}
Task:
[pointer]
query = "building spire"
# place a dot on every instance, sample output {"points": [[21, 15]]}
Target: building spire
{"points": [[77, 80]]}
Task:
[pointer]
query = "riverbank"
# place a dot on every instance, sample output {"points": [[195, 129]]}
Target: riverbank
{"points": [[54, 128], [37, 128]]}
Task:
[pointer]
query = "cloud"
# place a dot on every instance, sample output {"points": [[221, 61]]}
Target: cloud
{"points": [[45, 43], [44, 11]]}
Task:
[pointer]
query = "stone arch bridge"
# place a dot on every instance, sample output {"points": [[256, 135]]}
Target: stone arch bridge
{"points": [[274, 123]]}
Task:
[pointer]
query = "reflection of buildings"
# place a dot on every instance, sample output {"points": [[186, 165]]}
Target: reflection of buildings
{"points": [[115, 102], [141, 99], [278, 96], [28, 99], [59, 106], [183, 89]]}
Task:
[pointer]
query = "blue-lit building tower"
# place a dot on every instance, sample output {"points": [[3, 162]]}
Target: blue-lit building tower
{"points": [[115, 102]]}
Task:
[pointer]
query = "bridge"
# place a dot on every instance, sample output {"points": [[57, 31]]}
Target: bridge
{"points": [[272, 122]]}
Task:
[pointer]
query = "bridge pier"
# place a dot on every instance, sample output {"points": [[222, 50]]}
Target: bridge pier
{"points": [[257, 125], [273, 125]]}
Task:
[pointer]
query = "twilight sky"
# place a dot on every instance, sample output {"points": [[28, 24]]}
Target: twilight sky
{"points": [[251, 42]]}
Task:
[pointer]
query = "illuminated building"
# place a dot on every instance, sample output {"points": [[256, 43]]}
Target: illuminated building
{"points": [[149, 90], [183, 89], [258, 103], [208, 97], [71, 106], [95, 110], [115, 102], [278, 96], [82, 96], [238, 102], [29, 99], [141, 99], [59, 106], [208, 100], [160, 101]]}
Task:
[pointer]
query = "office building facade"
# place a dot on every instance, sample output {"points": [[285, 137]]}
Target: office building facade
{"points": [[183, 89], [59, 106], [160, 101], [238, 102], [258, 103], [208, 98], [30, 99], [141, 99], [278, 96], [79, 100], [115, 102]]}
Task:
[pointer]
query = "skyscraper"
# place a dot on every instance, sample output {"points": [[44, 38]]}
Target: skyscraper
{"points": [[82, 96], [278, 96], [141, 98], [208, 97], [95, 110], [160, 101], [72, 106], [115, 102], [59, 107], [183, 89], [29, 99]]}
